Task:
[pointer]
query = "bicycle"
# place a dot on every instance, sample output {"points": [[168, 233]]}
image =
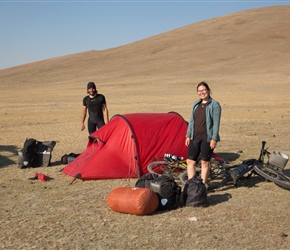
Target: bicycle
{"points": [[220, 173], [169, 164], [272, 167], [176, 166]]}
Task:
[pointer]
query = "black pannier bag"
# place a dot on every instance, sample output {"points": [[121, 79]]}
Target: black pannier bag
{"points": [[144, 181], [194, 193], [35, 153], [43, 153], [167, 190], [27, 153]]}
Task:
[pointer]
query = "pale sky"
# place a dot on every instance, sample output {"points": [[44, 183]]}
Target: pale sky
{"points": [[31, 31]]}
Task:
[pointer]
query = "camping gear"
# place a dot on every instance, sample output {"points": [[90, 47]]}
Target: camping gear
{"points": [[125, 146], [35, 153], [144, 181], [43, 153], [194, 193], [40, 176], [27, 153], [278, 159], [138, 201], [67, 158], [167, 190], [63, 159]]}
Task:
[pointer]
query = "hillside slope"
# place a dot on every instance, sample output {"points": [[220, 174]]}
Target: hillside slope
{"points": [[251, 42]]}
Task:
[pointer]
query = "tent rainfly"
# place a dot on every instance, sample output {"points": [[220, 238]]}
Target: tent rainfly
{"points": [[125, 146]]}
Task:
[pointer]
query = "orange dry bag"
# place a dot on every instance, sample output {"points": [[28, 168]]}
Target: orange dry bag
{"points": [[138, 201]]}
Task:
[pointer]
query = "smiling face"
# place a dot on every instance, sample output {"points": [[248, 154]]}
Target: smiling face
{"points": [[92, 91], [203, 92]]}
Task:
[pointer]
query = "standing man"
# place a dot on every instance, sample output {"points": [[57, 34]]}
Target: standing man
{"points": [[96, 105]]}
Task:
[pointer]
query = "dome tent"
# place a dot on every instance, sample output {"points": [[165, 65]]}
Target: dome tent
{"points": [[125, 146]]}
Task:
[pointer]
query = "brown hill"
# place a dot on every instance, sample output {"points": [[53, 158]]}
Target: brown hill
{"points": [[251, 42]]}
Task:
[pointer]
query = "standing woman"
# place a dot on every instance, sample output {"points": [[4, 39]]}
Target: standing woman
{"points": [[203, 131]]}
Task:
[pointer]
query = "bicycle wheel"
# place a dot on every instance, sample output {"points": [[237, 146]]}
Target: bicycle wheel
{"points": [[162, 167], [217, 178], [272, 174], [158, 167]]}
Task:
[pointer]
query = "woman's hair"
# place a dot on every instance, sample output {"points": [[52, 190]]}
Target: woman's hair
{"points": [[206, 86]]}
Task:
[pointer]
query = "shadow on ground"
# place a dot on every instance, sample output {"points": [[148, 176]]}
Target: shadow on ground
{"points": [[249, 182], [12, 150], [287, 172], [215, 199], [55, 163], [5, 161], [228, 157]]}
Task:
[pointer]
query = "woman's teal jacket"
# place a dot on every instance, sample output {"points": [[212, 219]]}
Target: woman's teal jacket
{"points": [[213, 116]]}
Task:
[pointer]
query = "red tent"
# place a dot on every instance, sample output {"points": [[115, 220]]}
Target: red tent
{"points": [[125, 146]]}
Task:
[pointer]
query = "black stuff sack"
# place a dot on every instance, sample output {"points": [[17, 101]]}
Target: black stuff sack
{"points": [[144, 181], [63, 159], [27, 153], [67, 158], [194, 193], [167, 190]]}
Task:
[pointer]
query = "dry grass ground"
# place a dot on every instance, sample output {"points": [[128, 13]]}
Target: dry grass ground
{"points": [[245, 59]]}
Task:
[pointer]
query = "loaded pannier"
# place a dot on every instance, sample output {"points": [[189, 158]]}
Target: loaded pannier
{"points": [[35, 153]]}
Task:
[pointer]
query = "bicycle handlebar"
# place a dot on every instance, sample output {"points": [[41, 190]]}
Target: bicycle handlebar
{"points": [[263, 152]]}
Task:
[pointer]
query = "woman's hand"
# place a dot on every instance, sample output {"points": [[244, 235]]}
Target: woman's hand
{"points": [[213, 144], [187, 141]]}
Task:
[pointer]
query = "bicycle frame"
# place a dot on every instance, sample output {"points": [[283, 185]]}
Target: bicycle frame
{"points": [[177, 167], [175, 163], [270, 171]]}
